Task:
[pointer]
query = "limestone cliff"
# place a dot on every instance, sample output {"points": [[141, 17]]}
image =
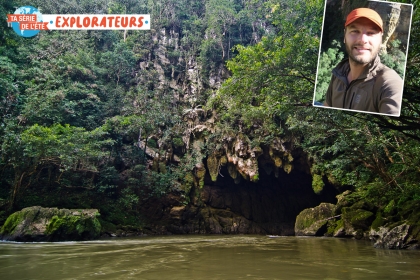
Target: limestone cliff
{"points": [[234, 184]]}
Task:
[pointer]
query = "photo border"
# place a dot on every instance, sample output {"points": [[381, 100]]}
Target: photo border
{"points": [[314, 102]]}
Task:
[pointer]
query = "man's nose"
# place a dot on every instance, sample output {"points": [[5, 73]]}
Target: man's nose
{"points": [[363, 37]]}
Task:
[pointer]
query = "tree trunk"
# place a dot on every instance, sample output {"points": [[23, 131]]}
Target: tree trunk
{"points": [[16, 186]]}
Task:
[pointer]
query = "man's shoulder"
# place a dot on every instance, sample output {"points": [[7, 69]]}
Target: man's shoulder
{"points": [[387, 74]]}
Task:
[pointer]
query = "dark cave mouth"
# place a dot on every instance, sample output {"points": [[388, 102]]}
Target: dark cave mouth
{"points": [[268, 206], [271, 204]]}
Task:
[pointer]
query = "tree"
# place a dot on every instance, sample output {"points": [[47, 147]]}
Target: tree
{"points": [[119, 63], [327, 61], [70, 149], [273, 77]]}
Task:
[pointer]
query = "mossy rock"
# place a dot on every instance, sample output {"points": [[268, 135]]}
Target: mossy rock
{"points": [[395, 215], [339, 230], [313, 221], [400, 228], [390, 209], [415, 233], [357, 218], [332, 226], [378, 222], [200, 174], [12, 222], [187, 182], [344, 200], [213, 166], [411, 212], [51, 224], [364, 205], [317, 183]]}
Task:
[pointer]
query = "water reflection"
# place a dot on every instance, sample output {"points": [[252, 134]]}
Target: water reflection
{"points": [[207, 257]]}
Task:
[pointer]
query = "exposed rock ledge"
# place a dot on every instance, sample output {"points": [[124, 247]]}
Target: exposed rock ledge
{"points": [[399, 237], [51, 224], [358, 221], [237, 152]]}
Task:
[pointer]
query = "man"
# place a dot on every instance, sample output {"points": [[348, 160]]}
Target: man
{"points": [[362, 82]]}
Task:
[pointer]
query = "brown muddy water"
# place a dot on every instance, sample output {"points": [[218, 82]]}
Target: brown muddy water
{"points": [[206, 257]]}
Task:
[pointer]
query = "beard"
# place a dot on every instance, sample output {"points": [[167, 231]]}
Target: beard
{"points": [[362, 59]]}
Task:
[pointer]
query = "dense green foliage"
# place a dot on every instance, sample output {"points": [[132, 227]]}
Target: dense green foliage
{"points": [[82, 112], [76, 105], [268, 93], [327, 61]]}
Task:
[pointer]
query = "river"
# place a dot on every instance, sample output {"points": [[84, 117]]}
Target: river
{"points": [[206, 257]]}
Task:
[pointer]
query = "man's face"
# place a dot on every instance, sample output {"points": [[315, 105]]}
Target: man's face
{"points": [[363, 40]]}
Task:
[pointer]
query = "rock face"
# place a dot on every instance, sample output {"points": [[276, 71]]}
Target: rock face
{"points": [[396, 21], [399, 237], [51, 224], [313, 221], [236, 185], [355, 218], [243, 160], [388, 227], [269, 206]]}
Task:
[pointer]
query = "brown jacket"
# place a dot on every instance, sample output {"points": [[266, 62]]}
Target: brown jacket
{"points": [[378, 89]]}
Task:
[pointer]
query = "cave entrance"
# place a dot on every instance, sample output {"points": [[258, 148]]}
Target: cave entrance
{"points": [[269, 206]]}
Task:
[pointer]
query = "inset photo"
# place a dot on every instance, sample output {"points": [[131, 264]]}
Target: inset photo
{"points": [[363, 55]]}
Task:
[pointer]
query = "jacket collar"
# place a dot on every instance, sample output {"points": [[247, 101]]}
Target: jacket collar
{"points": [[342, 69]]}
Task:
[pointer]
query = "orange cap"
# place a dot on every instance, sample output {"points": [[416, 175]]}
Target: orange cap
{"points": [[365, 13]]}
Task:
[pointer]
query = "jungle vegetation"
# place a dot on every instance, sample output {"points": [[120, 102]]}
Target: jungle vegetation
{"points": [[75, 105]]}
